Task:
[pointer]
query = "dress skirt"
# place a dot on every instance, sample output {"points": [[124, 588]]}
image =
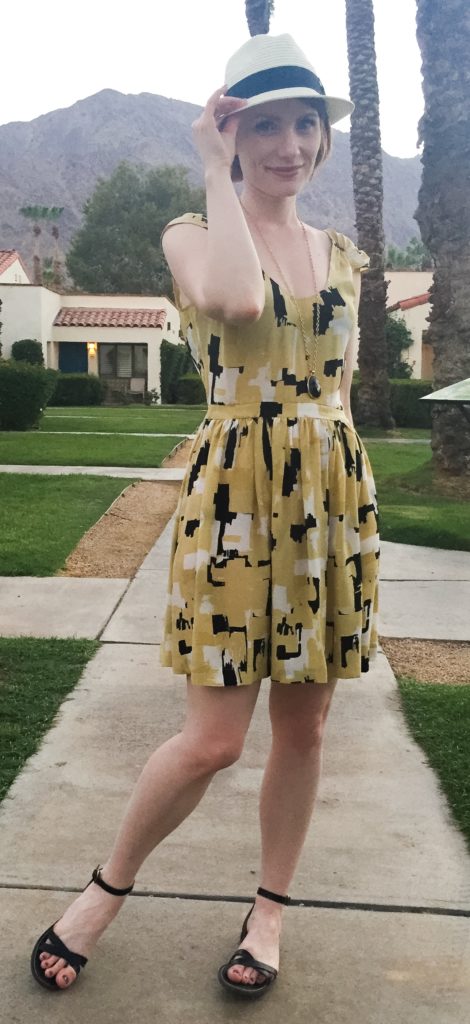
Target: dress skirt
{"points": [[274, 557]]}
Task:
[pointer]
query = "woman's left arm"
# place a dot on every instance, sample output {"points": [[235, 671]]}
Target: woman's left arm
{"points": [[350, 355]]}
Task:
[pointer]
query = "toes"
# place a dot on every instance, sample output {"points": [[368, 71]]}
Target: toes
{"points": [[62, 972], [54, 968], [65, 977], [48, 961], [243, 975], [235, 973], [249, 976]]}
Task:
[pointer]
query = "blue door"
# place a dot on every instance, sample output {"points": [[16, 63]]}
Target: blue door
{"points": [[73, 357]]}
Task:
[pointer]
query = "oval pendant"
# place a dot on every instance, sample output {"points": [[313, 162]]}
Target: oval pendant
{"points": [[313, 386]]}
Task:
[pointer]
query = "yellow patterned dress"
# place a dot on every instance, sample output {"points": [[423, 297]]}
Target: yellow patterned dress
{"points": [[274, 560]]}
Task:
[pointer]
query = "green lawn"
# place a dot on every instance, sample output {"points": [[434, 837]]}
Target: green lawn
{"points": [[413, 505], [34, 448], [35, 676], [407, 433], [43, 517], [438, 717], [181, 419]]}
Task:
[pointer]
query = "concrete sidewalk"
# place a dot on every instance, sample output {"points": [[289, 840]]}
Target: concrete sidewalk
{"points": [[126, 472], [382, 936]]}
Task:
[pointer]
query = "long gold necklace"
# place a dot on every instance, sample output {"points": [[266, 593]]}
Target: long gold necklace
{"points": [[312, 382]]}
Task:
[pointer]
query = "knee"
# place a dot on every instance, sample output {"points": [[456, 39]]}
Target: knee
{"points": [[214, 754], [301, 736]]}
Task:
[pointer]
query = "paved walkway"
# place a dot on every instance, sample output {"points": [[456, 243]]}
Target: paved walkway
{"points": [[127, 472], [380, 933]]}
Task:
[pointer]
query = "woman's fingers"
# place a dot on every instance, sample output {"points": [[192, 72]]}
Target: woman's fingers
{"points": [[214, 140]]}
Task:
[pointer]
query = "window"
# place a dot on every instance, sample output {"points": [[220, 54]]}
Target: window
{"points": [[123, 361]]}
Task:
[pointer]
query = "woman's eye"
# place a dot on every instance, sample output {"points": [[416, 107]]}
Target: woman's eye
{"points": [[264, 126], [308, 122]]}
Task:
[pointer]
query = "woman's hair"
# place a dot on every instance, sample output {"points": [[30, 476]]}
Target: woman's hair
{"points": [[325, 144]]}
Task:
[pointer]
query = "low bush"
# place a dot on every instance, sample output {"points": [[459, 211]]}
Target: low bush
{"points": [[405, 395], [78, 389], [24, 392], [176, 360], [28, 350], [190, 390]]}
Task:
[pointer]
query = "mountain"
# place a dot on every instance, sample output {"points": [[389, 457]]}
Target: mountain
{"points": [[56, 159]]}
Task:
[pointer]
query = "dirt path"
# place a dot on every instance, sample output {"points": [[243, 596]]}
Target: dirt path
{"points": [[429, 661], [117, 544]]}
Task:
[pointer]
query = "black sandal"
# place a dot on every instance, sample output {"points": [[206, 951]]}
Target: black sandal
{"points": [[243, 958], [50, 943]]}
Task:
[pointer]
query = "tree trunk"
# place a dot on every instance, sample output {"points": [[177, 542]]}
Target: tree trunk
{"points": [[258, 13], [443, 212], [366, 152], [37, 261]]}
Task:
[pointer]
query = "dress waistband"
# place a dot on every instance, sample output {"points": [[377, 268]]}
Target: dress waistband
{"points": [[249, 410]]}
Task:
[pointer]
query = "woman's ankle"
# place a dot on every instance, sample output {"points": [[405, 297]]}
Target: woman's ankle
{"points": [[118, 878]]}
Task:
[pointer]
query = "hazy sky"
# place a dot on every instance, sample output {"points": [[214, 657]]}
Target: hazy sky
{"points": [[53, 54]]}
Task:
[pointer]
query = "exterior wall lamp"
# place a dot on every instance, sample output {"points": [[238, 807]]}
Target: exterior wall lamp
{"points": [[91, 348]]}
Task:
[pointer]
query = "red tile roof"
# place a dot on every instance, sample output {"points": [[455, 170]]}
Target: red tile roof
{"points": [[417, 300], [102, 316], [7, 257]]}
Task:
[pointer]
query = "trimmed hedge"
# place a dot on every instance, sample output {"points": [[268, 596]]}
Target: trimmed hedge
{"points": [[190, 390], [78, 389], [176, 360], [28, 350], [407, 409], [25, 390]]}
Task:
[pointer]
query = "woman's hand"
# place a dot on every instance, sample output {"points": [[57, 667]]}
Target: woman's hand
{"points": [[214, 136]]}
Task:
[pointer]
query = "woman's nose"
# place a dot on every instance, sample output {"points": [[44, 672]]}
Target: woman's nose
{"points": [[288, 143]]}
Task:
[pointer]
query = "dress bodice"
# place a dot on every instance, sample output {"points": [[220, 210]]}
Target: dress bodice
{"points": [[265, 361]]}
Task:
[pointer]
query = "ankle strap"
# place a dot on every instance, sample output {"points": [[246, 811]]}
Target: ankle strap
{"points": [[268, 895], [96, 877]]}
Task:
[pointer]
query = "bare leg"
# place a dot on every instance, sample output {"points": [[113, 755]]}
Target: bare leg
{"points": [[290, 784], [168, 789]]}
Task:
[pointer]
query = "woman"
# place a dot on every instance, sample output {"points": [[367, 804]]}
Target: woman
{"points": [[273, 570]]}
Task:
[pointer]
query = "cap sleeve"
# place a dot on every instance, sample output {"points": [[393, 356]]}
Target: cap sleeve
{"points": [[198, 219], [357, 258]]}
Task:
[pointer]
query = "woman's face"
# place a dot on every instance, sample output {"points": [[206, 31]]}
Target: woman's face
{"points": [[277, 145]]}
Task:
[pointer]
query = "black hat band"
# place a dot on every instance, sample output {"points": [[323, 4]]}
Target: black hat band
{"points": [[284, 77]]}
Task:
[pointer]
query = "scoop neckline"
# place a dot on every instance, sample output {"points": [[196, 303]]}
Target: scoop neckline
{"points": [[314, 295]]}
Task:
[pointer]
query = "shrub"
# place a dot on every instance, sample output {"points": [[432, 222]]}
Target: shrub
{"points": [[407, 410], [28, 350], [190, 390], [405, 395], [176, 360], [78, 389], [398, 338], [24, 393]]}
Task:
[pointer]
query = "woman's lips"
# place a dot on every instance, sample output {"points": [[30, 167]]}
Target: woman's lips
{"points": [[285, 172]]}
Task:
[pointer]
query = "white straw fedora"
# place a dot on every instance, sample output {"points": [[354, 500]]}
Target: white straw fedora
{"points": [[274, 68]]}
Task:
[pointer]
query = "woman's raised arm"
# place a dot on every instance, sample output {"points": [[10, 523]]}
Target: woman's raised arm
{"points": [[218, 269]]}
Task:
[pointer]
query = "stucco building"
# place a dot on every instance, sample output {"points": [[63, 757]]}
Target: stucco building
{"points": [[117, 337]]}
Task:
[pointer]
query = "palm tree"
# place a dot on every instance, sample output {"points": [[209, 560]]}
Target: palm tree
{"points": [[443, 212], [35, 214], [366, 152], [53, 215], [38, 215], [258, 13]]}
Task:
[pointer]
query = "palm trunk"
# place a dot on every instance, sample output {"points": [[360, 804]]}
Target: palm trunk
{"points": [[366, 152], [258, 13], [443, 212], [37, 261]]}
